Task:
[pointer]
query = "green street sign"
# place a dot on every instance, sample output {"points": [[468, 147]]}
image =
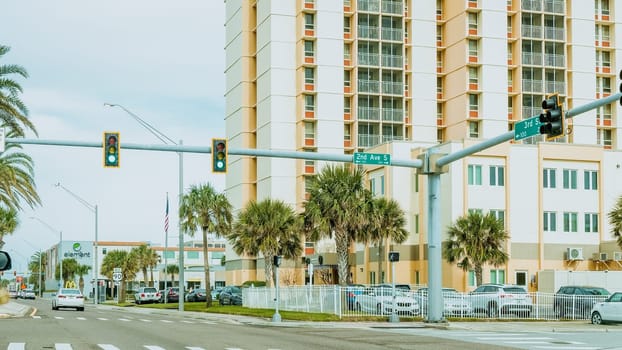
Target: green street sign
{"points": [[371, 158], [527, 128]]}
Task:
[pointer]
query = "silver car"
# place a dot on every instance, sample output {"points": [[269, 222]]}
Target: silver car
{"points": [[379, 300], [454, 303], [609, 310], [68, 298]]}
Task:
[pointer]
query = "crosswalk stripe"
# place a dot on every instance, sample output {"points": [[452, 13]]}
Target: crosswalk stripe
{"points": [[62, 346], [59, 318], [124, 320], [102, 319], [504, 338], [185, 321], [145, 320], [107, 347], [568, 348], [17, 346], [166, 321], [81, 318], [153, 347], [194, 348], [36, 317]]}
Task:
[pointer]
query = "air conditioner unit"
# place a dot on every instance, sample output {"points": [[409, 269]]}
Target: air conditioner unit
{"points": [[574, 253], [617, 256]]}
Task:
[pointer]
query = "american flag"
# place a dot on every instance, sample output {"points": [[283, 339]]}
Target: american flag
{"points": [[166, 216]]}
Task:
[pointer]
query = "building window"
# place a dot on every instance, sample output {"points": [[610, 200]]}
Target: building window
{"points": [[346, 78], [347, 51], [473, 102], [309, 130], [548, 178], [473, 76], [382, 185], [497, 276], [590, 180], [591, 222], [473, 129], [192, 255], [521, 278], [309, 75], [570, 179], [347, 28], [347, 105], [309, 21], [416, 220], [570, 222], [472, 281], [499, 214], [549, 221], [473, 48], [475, 174], [472, 22], [309, 103], [169, 254], [347, 134], [497, 175], [309, 50]]}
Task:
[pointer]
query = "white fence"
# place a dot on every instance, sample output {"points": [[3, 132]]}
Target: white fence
{"points": [[360, 302]]}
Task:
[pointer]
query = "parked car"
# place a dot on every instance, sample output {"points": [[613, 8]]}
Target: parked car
{"points": [[609, 310], [216, 292], [454, 303], [231, 295], [498, 299], [171, 294], [146, 295], [68, 298], [379, 300], [577, 301], [28, 294], [352, 291], [198, 294]]}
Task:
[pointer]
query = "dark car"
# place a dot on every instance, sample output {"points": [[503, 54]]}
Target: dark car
{"points": [[171, 294], [230, 296], [198, 294], [577, 301]]}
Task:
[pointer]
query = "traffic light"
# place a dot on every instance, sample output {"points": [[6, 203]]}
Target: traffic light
{"points": [[112, 147], [552, 118], [219, 155]]}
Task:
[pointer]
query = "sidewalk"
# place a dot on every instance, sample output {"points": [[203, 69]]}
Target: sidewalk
{"points": [[14, 309]]}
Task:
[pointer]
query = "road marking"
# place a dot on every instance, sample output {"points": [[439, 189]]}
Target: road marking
{"points": [[81, 318], [568, 348], [62, 346], [194, 348], [184, 321], [124, 320], [145, 320], [102, 319], [153, 347], [209, 322], [59, 318], [166, 321], [36, 317], [107, 347], [17, 346]]}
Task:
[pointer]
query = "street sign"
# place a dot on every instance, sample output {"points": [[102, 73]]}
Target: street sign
{"points": [[371, 158], [117, 276], [116, 269], [527, 128]]}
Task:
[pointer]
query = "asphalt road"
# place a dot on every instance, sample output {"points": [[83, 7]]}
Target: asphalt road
{"points": [[137, 328]]}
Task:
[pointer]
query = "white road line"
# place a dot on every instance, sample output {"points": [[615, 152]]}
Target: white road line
{"points": [[81, 318], [145, 320], [184, 321], [194, 348], [59, 318], [62, 346], [568, 348], [107, 347], [503, 338], [154, 347], [102, 319], [209, 322], [36, 316], [527, 342], [16, 346], [124, 320], [166, 321]]}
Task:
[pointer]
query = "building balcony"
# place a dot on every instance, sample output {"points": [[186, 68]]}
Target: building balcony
{"points": [[393, 88], [529, 31], [554, 60], [369, 59], [531, 5], [532, 85], [393, 114], [389, 138], [393, 61], [554, 33], [369, 113], [556, 86], [371, 86], [529, 112], [369, 5], [394, 34], [367, 32], [366, 140], [393, 7], [554, 6], [532, 58]]}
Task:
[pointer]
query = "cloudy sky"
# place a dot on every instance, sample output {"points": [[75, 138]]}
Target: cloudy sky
{"points": [[163, 61]]}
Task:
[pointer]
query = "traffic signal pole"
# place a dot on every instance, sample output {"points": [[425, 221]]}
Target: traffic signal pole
{"points": [[431, 163]]}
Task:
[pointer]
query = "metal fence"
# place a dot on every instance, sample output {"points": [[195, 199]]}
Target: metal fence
{"points": [[361, 302]]}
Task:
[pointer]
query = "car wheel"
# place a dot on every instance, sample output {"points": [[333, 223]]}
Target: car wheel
{"points": [[138, 301], [493, 311], [597, 318], [80, 309]]}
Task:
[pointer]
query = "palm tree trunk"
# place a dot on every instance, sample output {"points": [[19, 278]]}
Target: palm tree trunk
{"points": [[208, 283], [478, 274], [269, 270], [151, 281], [145, 276], [342, 244]]}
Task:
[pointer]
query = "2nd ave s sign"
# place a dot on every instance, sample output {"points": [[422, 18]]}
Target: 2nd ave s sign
{"points": [[371, 158]]}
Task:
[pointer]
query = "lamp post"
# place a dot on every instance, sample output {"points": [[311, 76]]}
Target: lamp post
{"points": [[60, 251], [92, 208], [167, 140]]}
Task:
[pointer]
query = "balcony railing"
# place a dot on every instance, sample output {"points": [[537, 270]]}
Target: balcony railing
{"points": [[529, 112], [393, 114], [532, 5], [372, 86], [554, 33], [394, 7], [366, 140], [531, 31], [394, 34], [367, 32], [555, 6], [368, 113], [395, 61], [394, 88], [532, 85], [554, 60], [369, 5], [369, 59], [532, 58], [556, 86]]}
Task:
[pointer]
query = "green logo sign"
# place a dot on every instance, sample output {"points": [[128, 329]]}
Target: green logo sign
{"points": [[77, 247]]}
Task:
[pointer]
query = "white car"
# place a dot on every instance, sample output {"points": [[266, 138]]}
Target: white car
{"points": [[379, 300], [68, 298], [146, 295], [609, 310], [454, 303]]}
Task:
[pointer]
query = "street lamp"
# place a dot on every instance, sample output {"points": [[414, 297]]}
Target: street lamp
{"points": [[60, 251], [92, 208], [167, 140]]}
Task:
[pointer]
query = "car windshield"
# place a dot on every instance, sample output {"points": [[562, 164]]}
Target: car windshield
{"points": [[236, 290], [70, 291], [150, 290], [597, 291]]}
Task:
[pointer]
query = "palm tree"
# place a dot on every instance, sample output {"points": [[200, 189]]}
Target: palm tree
{"points": [[270, 227], [615, 219], [13, 112], [146, 258], [8, 222], [205, 209], [172, 269], [37, 264], [337, 208], [82, 270], [475, 240], [123, 260], [70, 265], [387, 223], [17, 182]]}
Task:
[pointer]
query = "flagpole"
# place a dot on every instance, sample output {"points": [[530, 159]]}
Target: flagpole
{"points": [[165, 251]]}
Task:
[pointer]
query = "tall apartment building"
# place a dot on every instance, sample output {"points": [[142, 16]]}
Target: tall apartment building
{"points": [[344, 76]]}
